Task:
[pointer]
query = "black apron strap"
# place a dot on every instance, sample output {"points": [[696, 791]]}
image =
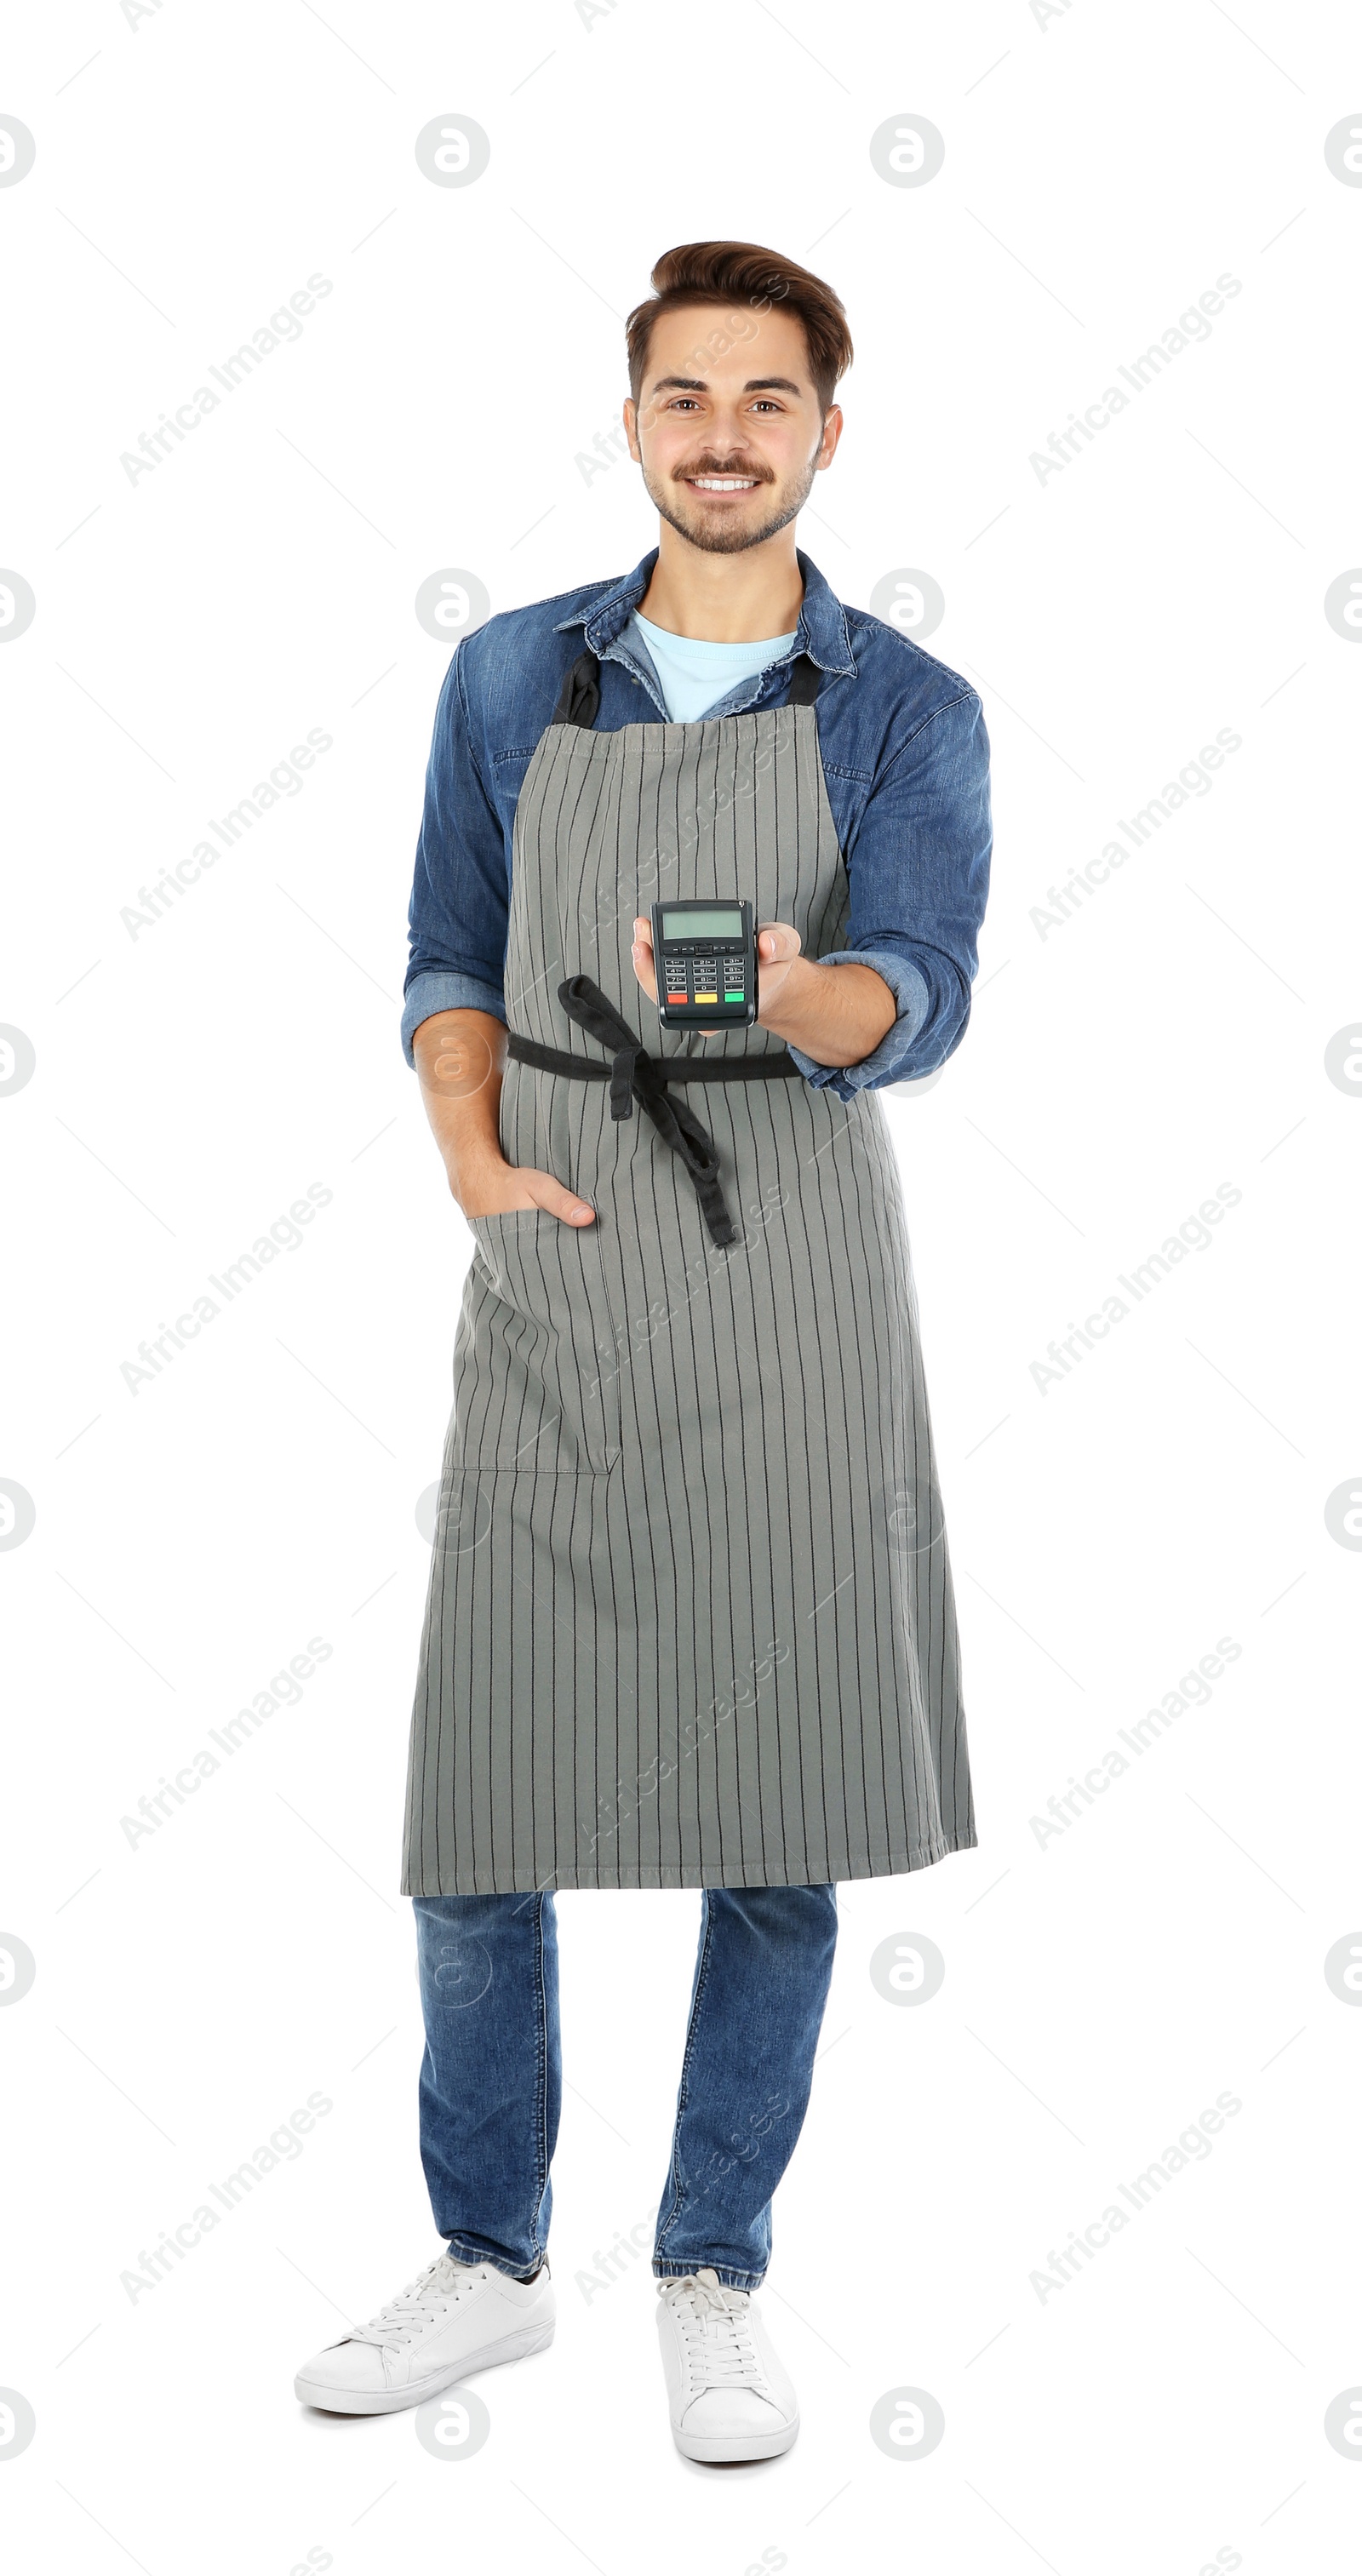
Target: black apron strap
{"points": [[633, 1075], [805, 682], [579, 698], [674, 1068]]}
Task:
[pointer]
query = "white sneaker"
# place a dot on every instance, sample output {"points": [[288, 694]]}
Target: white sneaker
{"points": [[453, 2319], [729, 2397]]}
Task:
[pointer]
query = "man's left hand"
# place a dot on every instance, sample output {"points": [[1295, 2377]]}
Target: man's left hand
{"points": [[778, 945]]}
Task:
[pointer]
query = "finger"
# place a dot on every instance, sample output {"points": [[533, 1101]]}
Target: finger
{"points": [[781, 941], [644, 967], [559, 1201]]}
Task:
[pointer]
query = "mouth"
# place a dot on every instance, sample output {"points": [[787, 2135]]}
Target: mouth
{"points": [[721, 482]]}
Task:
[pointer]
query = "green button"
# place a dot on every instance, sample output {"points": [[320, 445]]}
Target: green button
{"points": [[734, 997]]}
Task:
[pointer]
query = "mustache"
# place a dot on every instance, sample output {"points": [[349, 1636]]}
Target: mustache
{"points": [[749, 472]]}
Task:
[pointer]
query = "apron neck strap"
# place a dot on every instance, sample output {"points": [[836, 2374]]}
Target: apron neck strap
{"points": [[579, 699], [805, 682]]}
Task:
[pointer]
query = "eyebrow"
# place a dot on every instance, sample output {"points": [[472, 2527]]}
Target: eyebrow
{"points": [[699, 385]]}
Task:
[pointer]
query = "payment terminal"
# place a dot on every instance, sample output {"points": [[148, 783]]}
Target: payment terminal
{"points": [[705, 955]]}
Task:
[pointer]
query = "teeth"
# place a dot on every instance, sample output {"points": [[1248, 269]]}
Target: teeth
{"points": [[724, 482]]}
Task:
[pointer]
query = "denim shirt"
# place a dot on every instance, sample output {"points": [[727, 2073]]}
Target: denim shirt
{"points": [[905, 762]]}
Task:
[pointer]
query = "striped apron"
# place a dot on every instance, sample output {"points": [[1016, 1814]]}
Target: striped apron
{"points": [[690, 1620]]}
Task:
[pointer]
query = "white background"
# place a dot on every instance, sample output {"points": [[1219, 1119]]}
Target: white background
{"points": [[1101, 1988]]}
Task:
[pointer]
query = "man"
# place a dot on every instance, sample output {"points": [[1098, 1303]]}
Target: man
{"points": [[690, 1620]]}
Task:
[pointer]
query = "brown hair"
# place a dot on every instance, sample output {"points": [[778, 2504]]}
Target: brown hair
{"points": [[737, 275]]}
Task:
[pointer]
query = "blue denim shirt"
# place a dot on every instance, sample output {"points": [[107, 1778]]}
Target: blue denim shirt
{"points": [[905, 760]]}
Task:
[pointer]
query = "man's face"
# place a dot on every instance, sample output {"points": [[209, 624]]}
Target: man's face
{"points": [[727, 428]]}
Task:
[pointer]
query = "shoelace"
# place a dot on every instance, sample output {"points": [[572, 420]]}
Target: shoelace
{"points": [[716, 2326], [418, 2305]]}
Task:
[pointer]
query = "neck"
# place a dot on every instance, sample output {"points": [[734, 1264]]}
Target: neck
{"points": [[725, 599]]}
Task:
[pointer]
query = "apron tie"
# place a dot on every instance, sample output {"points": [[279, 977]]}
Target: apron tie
{"points": [[634, 1076]]}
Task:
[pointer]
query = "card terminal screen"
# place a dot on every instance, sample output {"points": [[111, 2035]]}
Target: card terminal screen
{"points": [[721, 922]]}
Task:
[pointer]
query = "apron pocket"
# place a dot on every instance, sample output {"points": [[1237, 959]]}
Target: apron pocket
{"points": [[536, 1388]]}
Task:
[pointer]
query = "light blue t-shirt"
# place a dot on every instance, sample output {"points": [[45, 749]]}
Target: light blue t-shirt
{"points": [[694, 674]]}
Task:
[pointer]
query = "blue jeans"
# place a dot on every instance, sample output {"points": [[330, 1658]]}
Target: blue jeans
{"points": [[491, 2076]]}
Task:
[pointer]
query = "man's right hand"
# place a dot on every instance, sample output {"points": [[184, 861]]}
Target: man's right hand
{"points": [[485, 1188], [460, 1058]]}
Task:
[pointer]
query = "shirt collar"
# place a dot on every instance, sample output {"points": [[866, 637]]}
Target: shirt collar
{"points": [[821, 632]]}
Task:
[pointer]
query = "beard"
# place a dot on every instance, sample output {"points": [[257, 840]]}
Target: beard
{"points": [[719, 536]]}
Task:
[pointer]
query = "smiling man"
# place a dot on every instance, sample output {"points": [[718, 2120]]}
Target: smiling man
{"points": [[690, 1621]]}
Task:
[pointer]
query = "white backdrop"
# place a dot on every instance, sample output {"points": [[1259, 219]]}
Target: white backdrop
{"points": [[181, 1069]]}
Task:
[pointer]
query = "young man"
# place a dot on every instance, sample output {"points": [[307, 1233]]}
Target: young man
{"points": [[690, 1620]]}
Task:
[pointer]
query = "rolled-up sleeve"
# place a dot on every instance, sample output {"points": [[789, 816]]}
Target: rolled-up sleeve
{"points": [[460, 895], [918, 868]]}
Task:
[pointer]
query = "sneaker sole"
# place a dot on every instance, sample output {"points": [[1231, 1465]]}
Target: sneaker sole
{"points": [[390, 2401], [716, 2449]]}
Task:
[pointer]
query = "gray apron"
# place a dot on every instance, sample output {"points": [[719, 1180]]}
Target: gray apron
{"points": [[690, 1620]]}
